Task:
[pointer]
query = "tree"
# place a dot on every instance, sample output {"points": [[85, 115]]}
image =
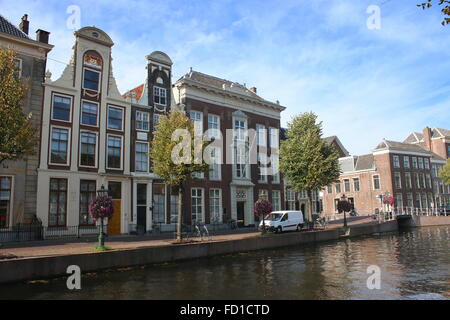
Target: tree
{"points": [[18, 138], [262, 209], [444, 173], [176, 154], [306, 160], [445, 8]]}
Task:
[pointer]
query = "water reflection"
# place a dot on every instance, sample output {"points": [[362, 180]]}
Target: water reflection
{"points": [[415, 264]]}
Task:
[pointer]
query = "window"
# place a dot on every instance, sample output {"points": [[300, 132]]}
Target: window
{"points": [[114, 152], [435, 170], [141, 157], [159, 204], [330, 189], [89, 113], [417, 180], [262, 167], [414, 162], [274, 138], [88, 142], [398, 180], [91, 80], [261, 135], [142, 121], [346, 185], [215, 205], [58, 202], [408, 180], [115, 190], [338, 187], [409, 200], [61, 109], [429, 184], [214, 173], [290, 196], [241, 157], [239, 130], [87, 194], [159, 96], [274, 160], [173, 208], [422, 181], [155, 120], [197, 204], [263, 194], [420, 163], [115, 118], [398, 200], [5, 200], [448, 150], [396, 161], [426, 163], [356, 184], [276, 200], [197, 119], [406, 162], [213, 126], [376, 182], [59, 145]]}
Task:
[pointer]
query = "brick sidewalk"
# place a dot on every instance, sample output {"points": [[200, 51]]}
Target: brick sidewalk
{"points": [[52, 248]]}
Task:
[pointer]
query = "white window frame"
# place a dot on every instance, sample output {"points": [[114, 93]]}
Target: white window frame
{"points": [[99, 79], [275, 163], [159, 89], [354, 185], [71, 107], [135, 157], [220, 220], [121, 151], [214, 132], [274, 134], [219, 166], [279, 200], [198, 123], [202, 220], [420, 161], [98, 113], [96, 149], [155, 116], [20, 66], [69, 136], [426, 163], [261, 135], [406, 163], [262, 168], [399, 176], [11, 198], [123, 118], [373, 181], [396, 161], [142, 121]]}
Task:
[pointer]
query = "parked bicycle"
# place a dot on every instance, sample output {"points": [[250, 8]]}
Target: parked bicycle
{"points": [[320, 223]]}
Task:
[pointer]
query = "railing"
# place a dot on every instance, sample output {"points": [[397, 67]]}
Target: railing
{"points": [[30, 232]]}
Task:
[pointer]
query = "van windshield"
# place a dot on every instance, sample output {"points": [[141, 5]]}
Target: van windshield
{"points": [[274, 216]]}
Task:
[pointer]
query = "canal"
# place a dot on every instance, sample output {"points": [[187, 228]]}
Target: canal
{"points": [[415, 264]]}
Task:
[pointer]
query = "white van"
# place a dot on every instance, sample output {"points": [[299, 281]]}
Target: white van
{"points": [[279, 221]]}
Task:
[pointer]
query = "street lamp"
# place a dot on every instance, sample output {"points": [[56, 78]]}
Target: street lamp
{"points": [[344, 199], [102, 193]]}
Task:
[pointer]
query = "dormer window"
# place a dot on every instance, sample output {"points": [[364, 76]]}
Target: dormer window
{"points": [[159, 96], [91, 80]]}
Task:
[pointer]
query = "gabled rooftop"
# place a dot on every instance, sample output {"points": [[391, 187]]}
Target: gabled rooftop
{"points": [[399, 146], [9, 28]]}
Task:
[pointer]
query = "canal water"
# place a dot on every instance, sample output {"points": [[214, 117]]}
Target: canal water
{"points": [[414, 264]]}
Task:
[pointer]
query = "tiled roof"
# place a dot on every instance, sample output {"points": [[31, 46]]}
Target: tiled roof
{"points": [[414, 137], [365, 162], [332, 139], [9, 28], [218, 82], [400, 146], [444, 132], [138, 90]]}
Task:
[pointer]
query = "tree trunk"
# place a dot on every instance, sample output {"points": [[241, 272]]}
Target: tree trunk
{"points": [[180, 216], [310, 206]]}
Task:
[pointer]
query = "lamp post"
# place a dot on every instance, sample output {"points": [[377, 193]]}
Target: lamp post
{"points": [[102, 192], [344, 198]]}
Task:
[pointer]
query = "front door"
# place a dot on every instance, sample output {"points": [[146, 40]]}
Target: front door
{"points": [[115, 192], [240, 213], [141, 208]]}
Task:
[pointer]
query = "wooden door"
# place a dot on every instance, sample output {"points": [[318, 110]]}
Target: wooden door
{"points": [[114, 222]]}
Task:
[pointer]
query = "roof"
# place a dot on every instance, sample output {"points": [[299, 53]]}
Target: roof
{"points": [[219, 83], [414, 137], [335, 139], [160, 57], [400, 146], [138, 91], [442, 132], [436, 157], [365, 162], [9, 28]]}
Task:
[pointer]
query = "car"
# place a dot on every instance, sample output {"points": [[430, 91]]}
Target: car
{"points": [[279, 221], [444, 210]]}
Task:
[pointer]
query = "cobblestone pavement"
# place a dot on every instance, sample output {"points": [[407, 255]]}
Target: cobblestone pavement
{"points": [[78, 246]]}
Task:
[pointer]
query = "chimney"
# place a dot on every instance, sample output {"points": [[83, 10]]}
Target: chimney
{"points": [[42, 36], [253, 89], [25, 24], [427, 138]]}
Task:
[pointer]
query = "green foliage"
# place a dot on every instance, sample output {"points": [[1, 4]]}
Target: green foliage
{"points": [[306, 160], [162, 146], [344, 206], [18, 138], [445, 8], [444, 173]]}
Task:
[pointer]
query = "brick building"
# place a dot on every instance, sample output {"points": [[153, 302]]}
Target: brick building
{"points": [[18, 179], [407, 171]]}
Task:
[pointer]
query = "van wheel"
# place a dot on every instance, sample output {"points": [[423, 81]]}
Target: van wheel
{"points": [[299, 227], [279, 230]]}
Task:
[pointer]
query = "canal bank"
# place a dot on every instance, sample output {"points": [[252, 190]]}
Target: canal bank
{"points": [[52, 266]]}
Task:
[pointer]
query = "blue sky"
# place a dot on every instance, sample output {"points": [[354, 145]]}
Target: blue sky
{"points": [[319, 55]]}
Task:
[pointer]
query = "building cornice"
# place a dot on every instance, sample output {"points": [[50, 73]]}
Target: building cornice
{"points": [[411, 153]]}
